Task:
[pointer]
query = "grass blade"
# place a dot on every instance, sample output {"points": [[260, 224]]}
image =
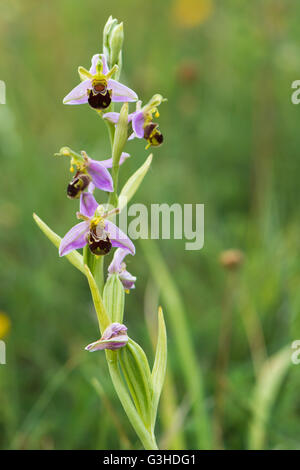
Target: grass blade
{"points": [[103, 318], [160, 364], [268, 383], [186, 356]]}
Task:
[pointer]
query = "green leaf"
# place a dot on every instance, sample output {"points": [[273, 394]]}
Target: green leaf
{"points": [[103, 318], [160, 364], [133, 183], [114, 298], [95, 264], [136, 370], [147, 438], [267, 386], [74, 257]]}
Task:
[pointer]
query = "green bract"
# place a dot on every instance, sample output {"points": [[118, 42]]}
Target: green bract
{"points": [[114, 298]]}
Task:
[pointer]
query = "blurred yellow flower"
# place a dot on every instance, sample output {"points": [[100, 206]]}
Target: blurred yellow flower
{"points": [[190, 13], [4, 324]]}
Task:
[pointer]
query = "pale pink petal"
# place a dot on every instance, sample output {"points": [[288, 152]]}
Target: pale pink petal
{"points": [[112, 117], [74, 239], [91, 188], [105, 67], [118, 238], [79, 94], [108, 163], [127, 280], [138, 124], [88, 204], [95, 60], [115, 265], [121, 92], [100, 176]]}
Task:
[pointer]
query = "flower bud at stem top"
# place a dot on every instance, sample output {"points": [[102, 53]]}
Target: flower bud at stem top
{"points": [[111, 22], [113, 37], [116, 44]]}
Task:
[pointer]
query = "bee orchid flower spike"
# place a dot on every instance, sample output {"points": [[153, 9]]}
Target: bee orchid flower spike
{"points": [[137, 386]]}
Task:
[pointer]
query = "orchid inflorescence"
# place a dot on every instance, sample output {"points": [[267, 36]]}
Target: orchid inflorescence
{"points": [[138, 388]]}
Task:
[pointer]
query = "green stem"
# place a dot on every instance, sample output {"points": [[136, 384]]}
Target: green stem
{"points": [[147, 438], [111, 132], [118, 139], [98, 272], [95, 264], [112, 199]]}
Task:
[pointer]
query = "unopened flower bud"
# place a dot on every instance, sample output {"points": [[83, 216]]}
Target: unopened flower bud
{"points": [[111, 22], [114, 337], [113, 37], [116, 44]]}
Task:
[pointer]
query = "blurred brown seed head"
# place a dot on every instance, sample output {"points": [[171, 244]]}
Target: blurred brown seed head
{"points": [[187, 71], [10, 214], [231, 259]]}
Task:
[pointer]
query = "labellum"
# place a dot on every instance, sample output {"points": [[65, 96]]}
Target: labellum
{"points": [[78, 184], [98, 241], [99, 100], [153, 135]]}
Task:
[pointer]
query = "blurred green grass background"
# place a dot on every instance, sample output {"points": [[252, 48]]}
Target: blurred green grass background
{"points": [[231, 142]]}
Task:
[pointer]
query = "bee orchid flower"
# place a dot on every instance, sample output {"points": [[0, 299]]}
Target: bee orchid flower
{"points": [[142, 121], [96, 231], [119, 267], [97, 88], [89, 171]]}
